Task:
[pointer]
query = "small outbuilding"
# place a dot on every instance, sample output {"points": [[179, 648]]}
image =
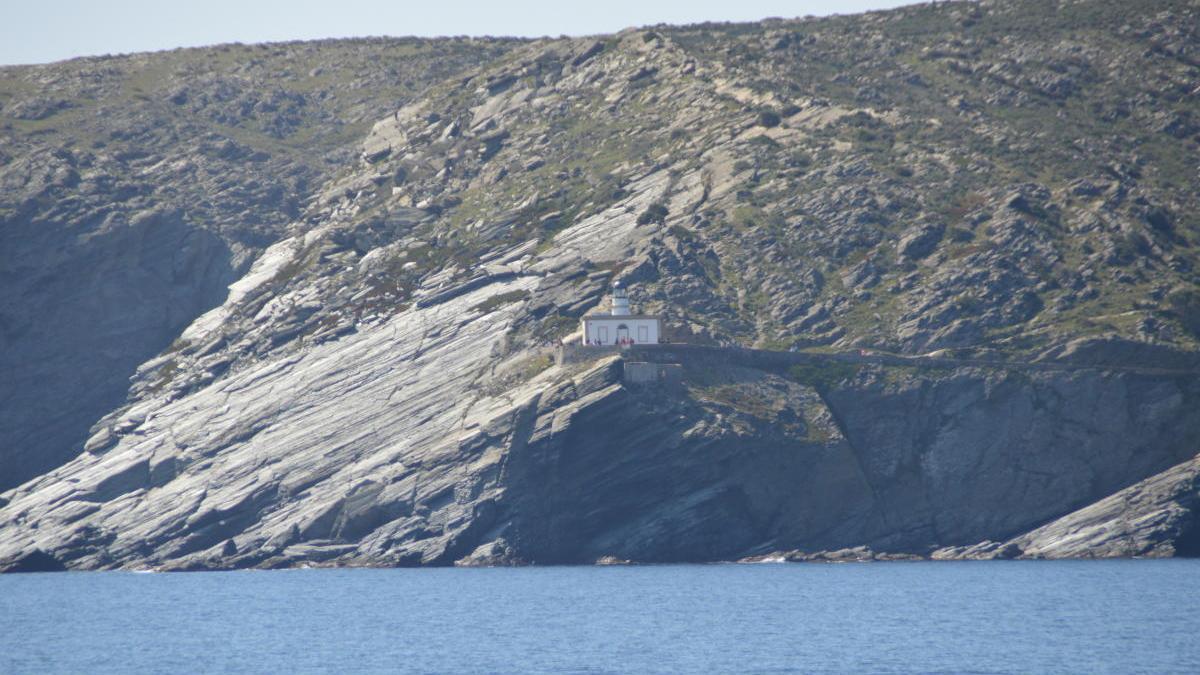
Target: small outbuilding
{"points": [[620, 326]]}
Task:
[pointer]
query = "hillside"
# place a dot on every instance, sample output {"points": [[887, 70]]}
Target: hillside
{"points": [[133, 189], [1002, 181]]}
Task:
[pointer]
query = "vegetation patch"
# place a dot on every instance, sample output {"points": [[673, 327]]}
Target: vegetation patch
{"points": [[500, 300], [744, 399], [655, 213], [535, 365], [165, 374], [823, 374]]}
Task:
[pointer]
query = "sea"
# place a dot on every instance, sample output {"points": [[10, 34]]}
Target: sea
{"points": [[1123, 616]]}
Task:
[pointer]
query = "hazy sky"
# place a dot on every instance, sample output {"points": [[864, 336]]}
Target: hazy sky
{"points": [[39, 31]]}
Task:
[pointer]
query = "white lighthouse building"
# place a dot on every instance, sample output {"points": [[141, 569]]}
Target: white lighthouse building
{"points": [[620, 326]]}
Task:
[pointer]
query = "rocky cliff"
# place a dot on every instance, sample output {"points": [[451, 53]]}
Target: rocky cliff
{"points": [[1004, 183]]}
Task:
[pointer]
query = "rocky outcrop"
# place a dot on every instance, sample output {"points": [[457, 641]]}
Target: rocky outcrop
{"points": [[628, 474], [1155, 518]]}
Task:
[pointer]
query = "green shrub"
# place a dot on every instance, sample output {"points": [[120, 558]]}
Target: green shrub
{"points": [[1185, 303], [655, 213], [681, 233], [769, 118]]}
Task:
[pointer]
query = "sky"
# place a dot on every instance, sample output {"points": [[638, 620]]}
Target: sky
{"points": [[50, 30]]}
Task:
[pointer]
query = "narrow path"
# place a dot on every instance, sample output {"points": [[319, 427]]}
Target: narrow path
{"points": [[761, 358]]}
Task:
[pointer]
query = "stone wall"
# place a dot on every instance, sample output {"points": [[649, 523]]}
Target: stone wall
{"points": [[662, 374], [577, 353]]}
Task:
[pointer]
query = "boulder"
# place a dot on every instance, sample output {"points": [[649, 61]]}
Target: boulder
{"points": [[919, 242]]}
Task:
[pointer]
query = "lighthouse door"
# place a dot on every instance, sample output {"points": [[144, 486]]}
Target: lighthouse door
{"points": [[622, 333]]}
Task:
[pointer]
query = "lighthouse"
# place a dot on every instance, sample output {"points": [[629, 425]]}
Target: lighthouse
{"points": [[620, 326], [620, 300]]}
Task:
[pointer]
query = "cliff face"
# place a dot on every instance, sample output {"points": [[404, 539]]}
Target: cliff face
{"points": [[374, 387], [571, 464], [134, 189], [942, 453], [748, 463]]}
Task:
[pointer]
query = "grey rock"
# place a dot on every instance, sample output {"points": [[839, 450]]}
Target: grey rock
{"points": [[918, 243]]}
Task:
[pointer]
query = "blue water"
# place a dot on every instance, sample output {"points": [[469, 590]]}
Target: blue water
{"points": [[1020, 617]]}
